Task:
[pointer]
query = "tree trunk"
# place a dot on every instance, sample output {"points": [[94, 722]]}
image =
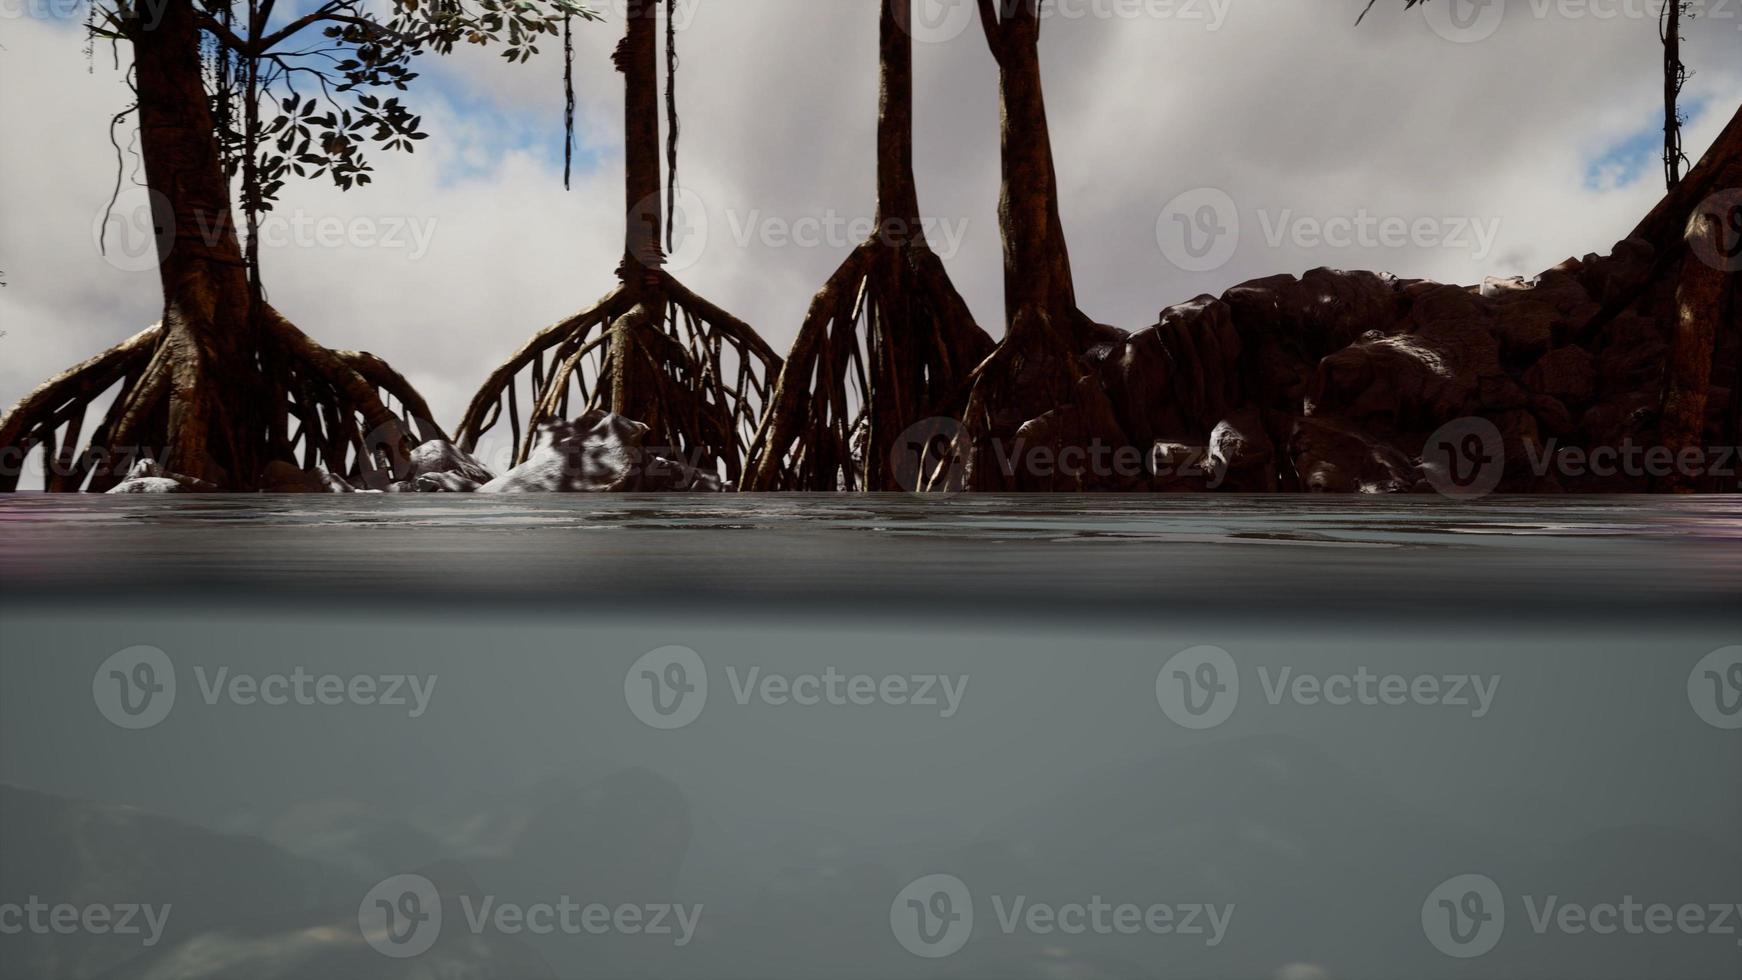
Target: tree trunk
{"points": [[638, 59], [1037, 383], [889, 319], [1037, 262], [897, 192], [634, 382], [208, 346]]}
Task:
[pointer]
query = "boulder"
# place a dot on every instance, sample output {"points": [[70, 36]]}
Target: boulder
{"points": [[599, 452], [1631, 355], [1174, 380], [1526, 330], [441, 456], [1568, 373], [149, 484], [1616, 278], [1180, 468], [147, 476], [1242, 455], [1413, 380], [442, 482], [1553, 416], [1332, 456]]}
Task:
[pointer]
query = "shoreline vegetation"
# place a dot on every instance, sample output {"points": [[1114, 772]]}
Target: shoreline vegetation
{"points": [[1617, 372]]}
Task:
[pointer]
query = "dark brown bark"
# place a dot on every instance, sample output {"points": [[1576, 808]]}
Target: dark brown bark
{"points": [[897, 191], [207, 343], [638, 59], [1037, 262]]}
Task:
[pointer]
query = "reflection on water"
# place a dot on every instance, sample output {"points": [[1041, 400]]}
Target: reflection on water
{"points": [[885, 737]]}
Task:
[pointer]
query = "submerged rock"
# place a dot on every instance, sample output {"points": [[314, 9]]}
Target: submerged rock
{"points": [[599, 453]]}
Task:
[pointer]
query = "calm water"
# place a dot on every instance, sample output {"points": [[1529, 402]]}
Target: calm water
{"points": [[736, 737]]}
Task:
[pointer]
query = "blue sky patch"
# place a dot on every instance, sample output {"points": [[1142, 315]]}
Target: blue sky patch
{"points": [[1632, 158]]}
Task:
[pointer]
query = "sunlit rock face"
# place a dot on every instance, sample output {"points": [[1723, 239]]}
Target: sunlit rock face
{"points": [[599, 453]]}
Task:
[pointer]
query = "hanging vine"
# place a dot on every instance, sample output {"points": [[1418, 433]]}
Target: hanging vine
{"points": [[672, 125], [568, 98], [1675, 78]]}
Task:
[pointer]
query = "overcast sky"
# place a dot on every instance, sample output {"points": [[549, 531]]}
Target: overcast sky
{"points": [[1470, 141]]}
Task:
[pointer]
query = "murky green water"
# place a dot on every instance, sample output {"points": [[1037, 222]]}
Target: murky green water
{"points": [[887, 737]]}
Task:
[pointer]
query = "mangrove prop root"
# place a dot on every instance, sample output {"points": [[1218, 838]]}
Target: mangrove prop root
{"points": [[887, 343], [167, 407], [652, 351]]}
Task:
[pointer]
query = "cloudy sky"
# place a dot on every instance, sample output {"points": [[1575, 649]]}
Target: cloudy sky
{"points": [[1479, 139]]}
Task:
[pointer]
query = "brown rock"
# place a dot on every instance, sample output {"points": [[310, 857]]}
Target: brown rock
{"points": [[1242, 455], [1526, 330], [1333, 457], [1569, 373], [1174, 380]]}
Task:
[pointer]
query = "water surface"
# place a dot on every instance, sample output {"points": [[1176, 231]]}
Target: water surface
{"points": [[1061, 775]]}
